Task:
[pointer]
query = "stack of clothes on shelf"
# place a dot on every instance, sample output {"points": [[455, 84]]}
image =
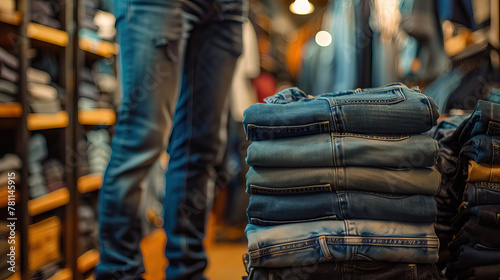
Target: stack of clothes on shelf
{"points": [[9, 77], [98, 86], [475, 188], [342, 184], [46, 12], [45, 96]]}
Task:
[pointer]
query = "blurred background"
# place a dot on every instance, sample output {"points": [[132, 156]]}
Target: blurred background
{"points": [[59, 96]]}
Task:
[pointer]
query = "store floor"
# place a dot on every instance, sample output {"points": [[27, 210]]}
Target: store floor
{"points": [[225, 258]]}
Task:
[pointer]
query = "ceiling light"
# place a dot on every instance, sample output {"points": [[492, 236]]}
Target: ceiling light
{"points": [[301, 7], [323, 38]]}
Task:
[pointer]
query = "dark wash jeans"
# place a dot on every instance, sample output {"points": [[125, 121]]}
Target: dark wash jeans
{"points": [[486, 215], [482, 193], [482, 149], [357, 270], [174, 56], [392, 109], [340, 205], [473, 234]]}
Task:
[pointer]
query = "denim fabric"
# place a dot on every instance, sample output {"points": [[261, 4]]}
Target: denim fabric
{"points": [[473, 234], [160, 62], [469, 256], [359, 270], [345, 149], [263, 180], [482, 193], [340, 205], [483, 172], [482, 149], [290, 113], [480, 272], [486, 215], [347, 240]]}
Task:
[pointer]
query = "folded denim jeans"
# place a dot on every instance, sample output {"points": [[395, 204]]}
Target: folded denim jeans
{"points": [[347, 240], [481, 193], [340, 205], [486, 215], [345, 149], [356, 270], [480, 272], [392, 109], [468, 256], [474, 234], [483, 172], [482, 149], [276, 181]]}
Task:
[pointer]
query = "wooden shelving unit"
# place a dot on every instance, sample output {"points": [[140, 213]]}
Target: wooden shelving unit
{"points": [[97, 117], [47, 34], [89, 183], [11, 110], [48, 121], [88, 260], [98, 48], [48, 202]]}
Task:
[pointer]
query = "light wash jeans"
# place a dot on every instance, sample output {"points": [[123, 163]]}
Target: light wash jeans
{"points": [[348, 240], [174, 56]]}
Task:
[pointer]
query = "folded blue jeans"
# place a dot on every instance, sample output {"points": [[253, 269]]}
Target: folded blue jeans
{"points": [[392, 109], [356, 270], [482, 149], [482, 193], [340, 205], [308, 243], [486, 215], [276, 181], [345, 149]]}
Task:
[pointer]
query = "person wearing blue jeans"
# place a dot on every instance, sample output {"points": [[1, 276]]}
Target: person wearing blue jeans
{"points": [[174, 55]]}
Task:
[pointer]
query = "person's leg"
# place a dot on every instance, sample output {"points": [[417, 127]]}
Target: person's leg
{"points": [[211, 55], [152, 39]]}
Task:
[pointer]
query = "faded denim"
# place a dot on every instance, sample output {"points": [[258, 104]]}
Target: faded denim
{"points": [[345, 149], [340, 205], [346, 240], [276, 181], [374, 110]]}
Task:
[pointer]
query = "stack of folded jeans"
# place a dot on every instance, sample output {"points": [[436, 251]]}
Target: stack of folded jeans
{"points": [[98, 86], [98, 150], [43, 97], [46, 12], [476, 188], [342, 177], [9, 65]]}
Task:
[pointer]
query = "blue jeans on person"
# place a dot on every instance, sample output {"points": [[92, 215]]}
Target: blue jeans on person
{"points": [[356, 270], [392, 109], [340, 205], [482, 149], [482, 193], [345, 149], [300, 244], [169, 51], [267, 180]]}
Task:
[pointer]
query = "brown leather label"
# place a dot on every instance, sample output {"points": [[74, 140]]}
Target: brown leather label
{"points": [[493, 128]]}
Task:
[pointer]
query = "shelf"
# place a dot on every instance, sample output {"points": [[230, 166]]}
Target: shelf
{"points": [[87, 261], [62, 274], [99, 48], [89, 183], [48, 202], [12, 18], [97, 117], [47, 34], [48, 121], [15, 276], [4, 193], [11, 110]]}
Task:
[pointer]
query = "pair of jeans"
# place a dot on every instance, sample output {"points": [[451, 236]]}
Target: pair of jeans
{"points": [[482, 193], [340, 205], [308, 243], [486, 215], [468, 256], [483, 172], [345, 149], [482, 149], [474, 234], [266, 180], [358, 270], [174, 56], [392, 109], [480, 272]]}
